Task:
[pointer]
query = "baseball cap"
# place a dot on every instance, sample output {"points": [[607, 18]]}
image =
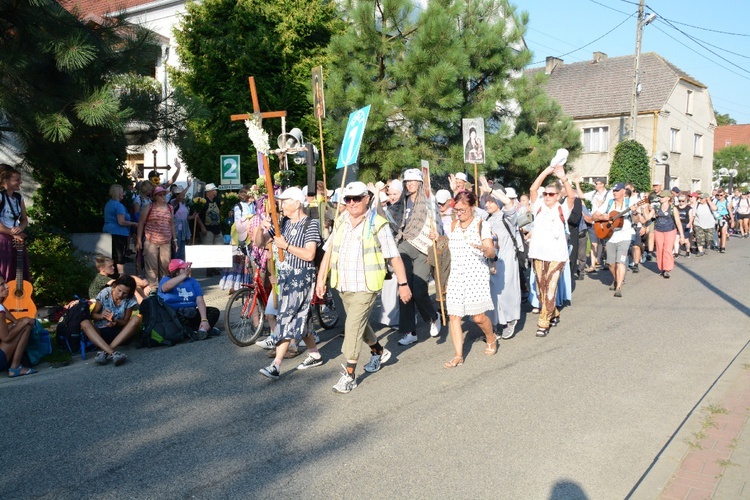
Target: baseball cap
{"points": [[560, 157], [619, 186], [158, 190], [355, 189], [413, 174], [675, 189], [442, 196], [176, 264], [292, 193], [665, 194], [396, 185], [511, 193], [462, 177], [210, 187], [705, 196]]}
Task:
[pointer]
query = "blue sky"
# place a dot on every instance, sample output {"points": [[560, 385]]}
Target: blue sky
{"points": [[557, 27]]}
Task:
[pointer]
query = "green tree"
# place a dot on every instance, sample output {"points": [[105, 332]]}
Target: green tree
{"points": [[223, 42], [631, 164], [724, 119], [69, 90], [422, 71], [733, 157]]}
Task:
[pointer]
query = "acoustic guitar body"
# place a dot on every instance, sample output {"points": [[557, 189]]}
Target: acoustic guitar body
{"points": [[19, 302]]}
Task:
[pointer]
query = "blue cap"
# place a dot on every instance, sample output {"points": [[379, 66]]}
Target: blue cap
{"points": [[618, 186]]}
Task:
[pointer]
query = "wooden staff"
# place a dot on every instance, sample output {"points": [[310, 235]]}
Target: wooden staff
{"points": [[476, 180], [322, 152], [437, 272], [195, 227]]}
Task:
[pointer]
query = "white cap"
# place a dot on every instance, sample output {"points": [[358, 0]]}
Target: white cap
{"points": [[396, 185], [380, 184], [560, 158], [462, 177], [176, 189], [210, 187], [329, 193], [442, 196], [355, 189], [292, 193], [383, 197], [510, 193], [413, 174]]}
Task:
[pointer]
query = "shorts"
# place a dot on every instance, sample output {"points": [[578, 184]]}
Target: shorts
{"points": [[109, 333], [743, 216], [617, 253], [3, 361], [119, 247]]}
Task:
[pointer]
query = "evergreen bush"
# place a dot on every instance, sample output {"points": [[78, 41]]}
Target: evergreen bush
{"points": [[631, 164]]}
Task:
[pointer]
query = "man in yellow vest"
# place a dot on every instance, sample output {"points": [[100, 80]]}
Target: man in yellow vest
{"points": [[356, 251]]}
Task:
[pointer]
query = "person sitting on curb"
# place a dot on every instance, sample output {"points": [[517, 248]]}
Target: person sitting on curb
{"points": [[184, 294], [106, 277], [14, 335], [112, 321]]}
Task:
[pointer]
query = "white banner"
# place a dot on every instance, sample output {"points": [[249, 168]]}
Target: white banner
{"points": [[203, 256]]}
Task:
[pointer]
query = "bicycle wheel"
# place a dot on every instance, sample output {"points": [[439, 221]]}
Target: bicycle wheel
{"points": [[327, 313], [244, 317]]}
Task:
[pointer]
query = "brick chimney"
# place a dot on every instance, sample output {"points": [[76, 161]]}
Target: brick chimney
{"points": [[552, 63], [599, 56]]}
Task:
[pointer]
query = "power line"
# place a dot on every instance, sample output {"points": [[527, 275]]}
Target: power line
{"points": [[706, 29], [608, 7], [592, 41]]}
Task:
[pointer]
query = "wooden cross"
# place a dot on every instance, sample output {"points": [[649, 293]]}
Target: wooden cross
{"points": [[266, 168]]}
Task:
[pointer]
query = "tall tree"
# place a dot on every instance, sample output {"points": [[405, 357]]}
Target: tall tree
{"points": [[422, 71], [724, 119], [733, 157], [221, 43], [69, 88]]}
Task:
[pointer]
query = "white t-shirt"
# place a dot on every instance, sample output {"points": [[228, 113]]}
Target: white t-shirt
{"points": [[626, 232], [548, 239], [597, 199]]}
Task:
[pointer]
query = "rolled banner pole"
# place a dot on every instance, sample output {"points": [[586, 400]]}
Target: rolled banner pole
{"points": [[195, 227], [476, 180], [336, 218], [322, 153]]}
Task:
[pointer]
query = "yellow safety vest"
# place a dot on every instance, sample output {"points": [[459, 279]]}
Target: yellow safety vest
{"points": [[374, 262]]}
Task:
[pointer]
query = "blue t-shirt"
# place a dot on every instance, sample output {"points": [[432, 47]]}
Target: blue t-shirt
{"points": [[183, 295], [118, 312], [111, 210]]}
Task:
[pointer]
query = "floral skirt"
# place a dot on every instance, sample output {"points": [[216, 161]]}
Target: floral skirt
{"points": [[239, 274], [296, 288]]}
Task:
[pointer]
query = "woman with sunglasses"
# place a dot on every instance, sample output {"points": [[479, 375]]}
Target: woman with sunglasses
{"points": [[666, 226], [725, 217], [549, 243], [157, 224], [687, 215], [468, 288]]}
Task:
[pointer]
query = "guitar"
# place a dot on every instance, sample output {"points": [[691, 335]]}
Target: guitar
{"points": [[19, 302], [605, 228]]}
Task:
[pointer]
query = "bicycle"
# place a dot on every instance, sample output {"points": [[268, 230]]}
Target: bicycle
{"points": [[245, 318]]}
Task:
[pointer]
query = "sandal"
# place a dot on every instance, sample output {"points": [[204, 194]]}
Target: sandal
{"points": [[456, 361], [16, 372], [554, 321], [535, 310], [491, 348], [542, 332]]}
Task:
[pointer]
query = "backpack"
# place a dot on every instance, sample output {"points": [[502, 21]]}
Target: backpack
{"points": [[161, 326], [68, 331]]}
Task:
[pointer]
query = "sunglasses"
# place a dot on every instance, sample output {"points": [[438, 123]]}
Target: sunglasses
{"points": [[353, 199], [459, 211], [549, 194]]}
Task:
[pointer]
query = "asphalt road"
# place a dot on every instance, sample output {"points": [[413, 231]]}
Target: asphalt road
{"points": [[579, 414]]}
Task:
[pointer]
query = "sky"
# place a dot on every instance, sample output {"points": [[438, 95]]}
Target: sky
{"points": [[567, 28]]}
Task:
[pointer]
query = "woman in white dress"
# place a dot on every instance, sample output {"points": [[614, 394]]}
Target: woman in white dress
{"points": [[468, 290]]}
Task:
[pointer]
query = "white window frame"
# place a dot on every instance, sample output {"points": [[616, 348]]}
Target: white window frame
{"points": [[598, 135], [689, 103], [695, 185], [674, 140], [697, 145]]}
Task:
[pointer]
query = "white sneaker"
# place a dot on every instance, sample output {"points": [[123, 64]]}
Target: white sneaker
{"points": [[510, 330], [408, 339], [267, 343], [435, 327], [377, 360], [345, 384]]}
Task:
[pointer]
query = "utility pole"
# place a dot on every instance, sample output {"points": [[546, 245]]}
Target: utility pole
{"points": [[634, 100]]}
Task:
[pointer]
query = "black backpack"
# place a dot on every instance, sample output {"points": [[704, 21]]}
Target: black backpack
{"points": [[161, 326], [68, 331]]}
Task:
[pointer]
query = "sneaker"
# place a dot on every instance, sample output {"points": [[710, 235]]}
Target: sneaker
{"points": [[635, 268], [346, 383], [408, 339], [119, 358], [376, 360], [666, 274], [214, 332], [510, 331], [435, 327], [648, 256], [102, 358], [613, 285], [310, 362], [266, 343], [198, 335], [722, 250], [271, 371], [618, 293]]}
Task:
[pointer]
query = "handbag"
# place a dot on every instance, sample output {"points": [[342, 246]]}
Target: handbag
{"points": [[525, 219]]}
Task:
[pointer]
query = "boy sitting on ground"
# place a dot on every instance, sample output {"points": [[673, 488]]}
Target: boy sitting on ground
{"points": [[106, 276]]}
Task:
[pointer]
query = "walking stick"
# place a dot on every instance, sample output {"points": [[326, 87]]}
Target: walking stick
{"points": [[437, 275], [195, 226], [322, 152]]}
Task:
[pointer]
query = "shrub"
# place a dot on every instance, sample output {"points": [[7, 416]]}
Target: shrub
{"points": [[58, 273], [631, 164]]}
